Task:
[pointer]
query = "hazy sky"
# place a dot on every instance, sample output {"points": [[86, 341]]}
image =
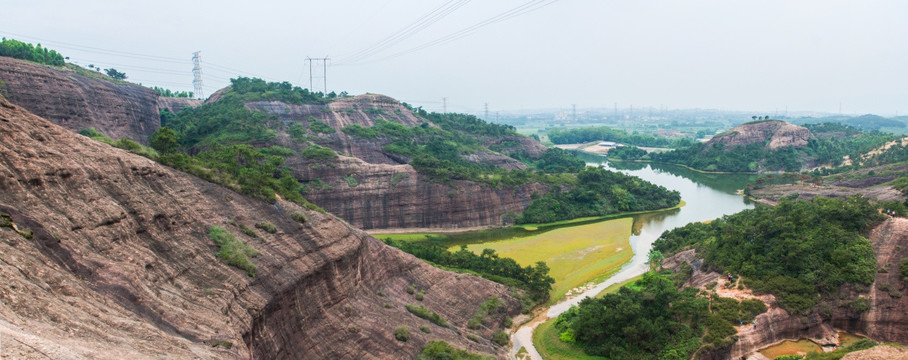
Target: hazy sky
{"points": [[724, 54]]}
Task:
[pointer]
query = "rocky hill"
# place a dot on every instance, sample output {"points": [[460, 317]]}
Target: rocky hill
{"points": [[107, 255], [78, 99], [774, 133], [388, 192], [885, 319]]}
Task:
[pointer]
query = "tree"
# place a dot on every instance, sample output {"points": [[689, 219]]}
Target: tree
{"points": [[754, 118], [165, 140], [115, 74]]}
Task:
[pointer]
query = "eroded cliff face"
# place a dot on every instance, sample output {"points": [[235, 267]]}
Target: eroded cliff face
{"points": [[385, 192], [120, 266], [775, 133], [885, 321], [76, 102]]}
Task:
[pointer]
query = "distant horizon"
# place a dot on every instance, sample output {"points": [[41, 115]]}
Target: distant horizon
{"points": [[809, 56]]}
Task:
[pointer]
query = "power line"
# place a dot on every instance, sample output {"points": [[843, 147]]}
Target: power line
{"points": [[421, 23], [517, 11]]}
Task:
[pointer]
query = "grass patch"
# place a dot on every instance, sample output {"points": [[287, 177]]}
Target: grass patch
{"points": [[440, 350], [576, 254], [482, 314], [267, 227], [615, 287], [427, 314], [402, 334], [232, 251], [248, 231], [298, 217]]}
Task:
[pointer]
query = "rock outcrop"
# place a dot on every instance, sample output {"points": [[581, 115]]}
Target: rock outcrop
{"points": [[885, 321], [385, 192], [105, 255], [79, 100], [775, 133]]}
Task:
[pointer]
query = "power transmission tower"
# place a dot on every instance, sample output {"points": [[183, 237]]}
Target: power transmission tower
{"points": [[574, 113], [444, 102], [487, 112], [323, 76], [197, 74]]}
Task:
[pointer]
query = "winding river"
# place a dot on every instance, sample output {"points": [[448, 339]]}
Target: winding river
{"points": [[708, 196]]}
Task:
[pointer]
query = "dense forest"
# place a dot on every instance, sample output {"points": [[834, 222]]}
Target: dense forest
{"points": [[599, 192], [652, 319], [829, 146], [162, 92], [605, 133], [25, 51], [801, 251]]}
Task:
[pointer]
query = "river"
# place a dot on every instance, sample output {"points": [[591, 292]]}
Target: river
{"points": [[708, 196]]}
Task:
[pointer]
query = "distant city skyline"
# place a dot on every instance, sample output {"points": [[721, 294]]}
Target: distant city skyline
{"points": [[812, 55]]}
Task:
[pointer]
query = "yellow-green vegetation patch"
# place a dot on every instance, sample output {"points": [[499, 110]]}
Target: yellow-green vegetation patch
{"points": [[548, 343], [576, 255], [232, 251]]}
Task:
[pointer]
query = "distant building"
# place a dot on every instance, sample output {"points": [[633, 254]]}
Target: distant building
{"points": [[608, 143]]}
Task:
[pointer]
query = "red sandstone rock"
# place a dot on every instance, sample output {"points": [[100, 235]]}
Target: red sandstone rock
{"points": [[120, 266], [778, 133]]}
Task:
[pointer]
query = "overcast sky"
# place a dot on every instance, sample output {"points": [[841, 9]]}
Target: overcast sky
{"points": [[722, 54]]}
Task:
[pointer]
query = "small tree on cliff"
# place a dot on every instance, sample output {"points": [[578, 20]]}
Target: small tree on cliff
{"points": [[165, 140], [115, 74]]}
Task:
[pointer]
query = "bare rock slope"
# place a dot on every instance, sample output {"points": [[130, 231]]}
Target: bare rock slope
{"points": [[775, 133], [76, 101], [105, 254]]}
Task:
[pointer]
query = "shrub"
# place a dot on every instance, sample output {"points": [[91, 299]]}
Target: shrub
{"points": [[858, 305], [402, 334], [320, 127], [440, 350], [267, 227], [298, 217], [473, 338], [232, 251], [903, 269], [316, 152], [500, 338], [425, 329], [411, 289], [420, 295], [427, 314], [351, 181], [248, 232], [387, 305]]}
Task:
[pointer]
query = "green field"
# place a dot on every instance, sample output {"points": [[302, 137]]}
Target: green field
{"points": [[576, 254]]}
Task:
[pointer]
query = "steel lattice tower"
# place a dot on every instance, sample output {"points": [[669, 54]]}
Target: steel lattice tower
{"points": [[197, 74]]}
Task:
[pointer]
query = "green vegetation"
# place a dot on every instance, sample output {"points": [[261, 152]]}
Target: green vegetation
{"points": [[427, 314], [650, 320], [801, 251], [831, 144], [25, 51], [534, 279], [254, 89], [114, 74], [402, 334], [500, 337], [481, 317], [599, 192], [232, 251], [162, 92], [605, 133], [900, 184], [631, 153], [315, 152], [903, 269], [320, 127], [556, 160], [440, 350], [425, 329], [267, 227], [248, 231], [351, 181], [124, 143], [298, 217]]}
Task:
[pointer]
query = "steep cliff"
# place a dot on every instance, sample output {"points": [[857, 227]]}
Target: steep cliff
{"points": [[71, 98], [775, 133], [386, 192], [886, 319], [106, 255]]}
